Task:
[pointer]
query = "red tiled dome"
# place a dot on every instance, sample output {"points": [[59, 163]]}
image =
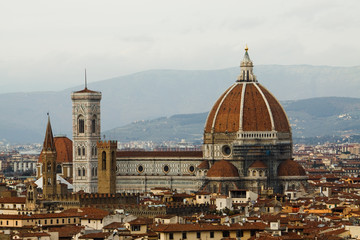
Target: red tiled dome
{"points": [[223, 168], [204, 165], [258, 164], [63, 146], [290, 168], [246, 106]]}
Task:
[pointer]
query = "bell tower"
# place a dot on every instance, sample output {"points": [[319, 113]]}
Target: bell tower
{"points": [[49, 163], [107, 166], [86, 133]]}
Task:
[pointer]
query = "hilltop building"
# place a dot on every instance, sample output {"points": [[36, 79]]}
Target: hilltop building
{"points": [[247, 145]]}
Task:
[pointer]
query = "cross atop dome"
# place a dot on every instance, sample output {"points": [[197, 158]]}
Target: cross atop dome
{"points": [[246, 69]]}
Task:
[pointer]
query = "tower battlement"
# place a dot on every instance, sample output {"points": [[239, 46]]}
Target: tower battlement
{"points": [[107, 144]]}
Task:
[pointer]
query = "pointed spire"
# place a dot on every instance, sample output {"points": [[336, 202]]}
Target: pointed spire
{"points": [[246, 69], [49, 143], [85, 80]]}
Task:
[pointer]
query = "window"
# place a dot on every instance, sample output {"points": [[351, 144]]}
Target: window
{"points": [[45, 221], [184, 235], [83, 151], [63, 220], [135, 228], [93, 126], [16, 223], [81, 125], [79, 151], [51, 221], [226, 234], [198, 235], [49, 166], [211, 234], [89, 221], [79, 172], [103, 160], [57, 221], [171, 236], [68, 220], [83, 171], [58, 169]]}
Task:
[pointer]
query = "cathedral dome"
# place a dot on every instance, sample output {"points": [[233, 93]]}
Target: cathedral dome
{"points": [[290, 168], [247, 106], [223, 169], [63, 146]]}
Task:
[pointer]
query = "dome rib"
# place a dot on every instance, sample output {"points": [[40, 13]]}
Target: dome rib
{"points": [[242, 106], [220, 105], [267, 105], [211, 117], [255, 116], [281, 121]]}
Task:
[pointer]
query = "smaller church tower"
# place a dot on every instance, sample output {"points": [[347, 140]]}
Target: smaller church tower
{"points": [[107, 166], [31, 196], [49, 163]]}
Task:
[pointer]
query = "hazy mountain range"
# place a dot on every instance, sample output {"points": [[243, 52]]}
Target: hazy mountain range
{"points": [[152, 94]]}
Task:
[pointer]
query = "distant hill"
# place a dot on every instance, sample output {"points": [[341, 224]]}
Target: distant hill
{"points": [[150, 94], [309, 118]]}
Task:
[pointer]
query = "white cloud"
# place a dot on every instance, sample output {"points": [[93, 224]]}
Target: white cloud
{"points": [[45, 45]]}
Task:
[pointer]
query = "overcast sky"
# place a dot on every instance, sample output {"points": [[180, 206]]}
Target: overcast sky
{"points": [[45, 45]]}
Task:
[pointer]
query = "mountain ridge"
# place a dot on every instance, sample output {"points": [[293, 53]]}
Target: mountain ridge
{"points": [[148, 94]]}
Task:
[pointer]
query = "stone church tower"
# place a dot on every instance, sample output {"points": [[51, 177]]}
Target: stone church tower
{"points": [[107, 166], [49, 163], [86, 133]]}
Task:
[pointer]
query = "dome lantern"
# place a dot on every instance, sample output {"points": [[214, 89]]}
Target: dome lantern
{"points": [[246, 69]]}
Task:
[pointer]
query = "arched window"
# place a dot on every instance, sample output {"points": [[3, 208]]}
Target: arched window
{"points": [[254, 173], [103, 160], [81, 124], [49, 166], [83, 171], [58, 169], [79, 172], [83, 151], [79, 151], [95, 171], [93, 124]]}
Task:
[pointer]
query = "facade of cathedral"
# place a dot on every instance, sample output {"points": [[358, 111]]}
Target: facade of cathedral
{"points": [[247, 145]]}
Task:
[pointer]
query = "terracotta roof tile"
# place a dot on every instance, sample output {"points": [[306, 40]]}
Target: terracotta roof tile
{"points": [[258, 164], [225, 114], [204, 165], [64, 150], [223, 168], [290, 168]]}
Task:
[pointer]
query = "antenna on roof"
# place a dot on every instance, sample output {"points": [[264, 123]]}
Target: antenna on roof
{"points": [[85, 80]]}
